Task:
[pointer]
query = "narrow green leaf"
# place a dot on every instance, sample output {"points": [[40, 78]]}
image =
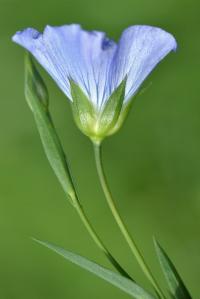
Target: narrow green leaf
{"points": [[36, 96], [112, 109], [113, 278], [34, 84], [83, 110], [177, 288]]}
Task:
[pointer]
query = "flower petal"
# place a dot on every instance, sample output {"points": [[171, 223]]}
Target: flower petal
{"points": [[139, 50], [70, 52]]}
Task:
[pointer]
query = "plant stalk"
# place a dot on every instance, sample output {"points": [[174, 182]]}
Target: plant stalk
{"points": [[96, 238], [132, 244], [98, 241]]}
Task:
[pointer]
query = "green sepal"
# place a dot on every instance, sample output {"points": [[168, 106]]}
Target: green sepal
{"points": [[110, 114], [83, 110], [108, 117], [126, 108], [119, 281], [36, 96], [177, 288], [122, 117], [93, 123]]}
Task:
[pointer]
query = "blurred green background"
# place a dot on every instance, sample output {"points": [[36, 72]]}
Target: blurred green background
{"points": [[152, 164]]}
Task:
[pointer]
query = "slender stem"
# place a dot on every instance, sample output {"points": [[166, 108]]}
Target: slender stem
{"points": [[133, 246], [96, 238]]}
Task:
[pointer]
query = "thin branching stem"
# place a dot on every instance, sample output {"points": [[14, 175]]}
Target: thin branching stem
{"points": [[98, 241], [131, 242]]}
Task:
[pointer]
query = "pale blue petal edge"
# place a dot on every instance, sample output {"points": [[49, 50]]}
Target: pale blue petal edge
{"points": [[139, 50], [70, 52], [95, 62]]}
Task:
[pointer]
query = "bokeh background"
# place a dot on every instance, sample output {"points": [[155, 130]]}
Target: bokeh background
{"points": [[152, 164]]}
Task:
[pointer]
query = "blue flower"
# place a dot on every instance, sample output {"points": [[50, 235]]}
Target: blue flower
{"points": [[94, 62]]}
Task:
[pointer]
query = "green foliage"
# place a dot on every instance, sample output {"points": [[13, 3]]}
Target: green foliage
{"points": [[156, 154], [177, 288], [37, 98], [121, 282], [34, 84]]}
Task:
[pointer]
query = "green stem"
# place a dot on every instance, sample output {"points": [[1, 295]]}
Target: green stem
{"points": [[96, 238], [132, 244]]}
